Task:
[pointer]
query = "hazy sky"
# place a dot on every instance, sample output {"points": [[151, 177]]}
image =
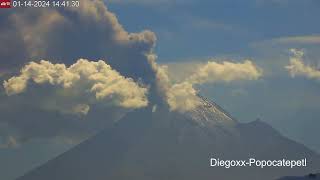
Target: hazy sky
{"points": [[188, 32]]}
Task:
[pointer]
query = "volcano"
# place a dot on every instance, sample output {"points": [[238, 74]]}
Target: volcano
{"points": [[307, 177], [157, 144]]}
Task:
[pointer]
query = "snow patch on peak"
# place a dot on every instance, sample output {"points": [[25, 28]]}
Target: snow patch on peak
{"points": [[210, 113]]}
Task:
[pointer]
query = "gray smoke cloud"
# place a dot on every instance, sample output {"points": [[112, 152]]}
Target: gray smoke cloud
{"points": [[41, 100], [66, 34], [45, 96]]}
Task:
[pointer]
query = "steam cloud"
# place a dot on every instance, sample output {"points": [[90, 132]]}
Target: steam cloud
{"points": [[86, 78], [182, 96], [297, 66], [225, 72]]}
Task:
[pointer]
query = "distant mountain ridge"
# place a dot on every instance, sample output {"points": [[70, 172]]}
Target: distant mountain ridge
{"points": [[307, 177], [157, 145]]}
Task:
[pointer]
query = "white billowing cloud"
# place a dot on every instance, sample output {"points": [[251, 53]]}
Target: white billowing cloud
{"points": [[297, 67], [92, 82], [225, 72], [15, 85], [182, 96]]}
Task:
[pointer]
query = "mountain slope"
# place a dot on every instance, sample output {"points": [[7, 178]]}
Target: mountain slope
{"points": [[168, 145]]}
